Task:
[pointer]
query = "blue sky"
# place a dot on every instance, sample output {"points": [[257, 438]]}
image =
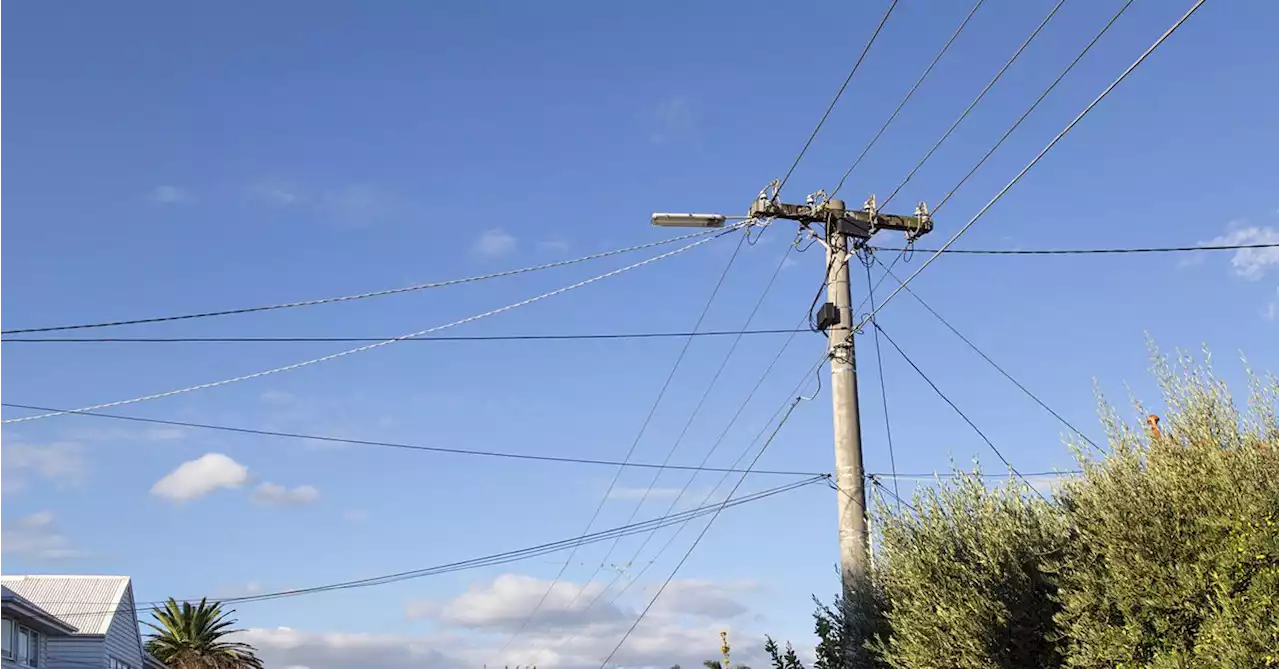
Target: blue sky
{"points": [[167, 159]]}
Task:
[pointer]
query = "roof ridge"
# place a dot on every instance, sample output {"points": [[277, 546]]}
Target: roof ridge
{"points": [[64, 576]]}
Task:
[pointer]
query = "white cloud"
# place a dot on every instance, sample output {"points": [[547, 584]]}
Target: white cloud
{"points": [[283, 646], [118, 434], [705, 599], [495, 242], [199, 477], [554, 246], [170, 195], [363, 204], [272, 494], [35, 537], [37, 519], [277, 397], [59, 462], [510, 598], [684, 631], [1250, 264], [673, 122], [353, 204], [239, 590], [278, 192]]}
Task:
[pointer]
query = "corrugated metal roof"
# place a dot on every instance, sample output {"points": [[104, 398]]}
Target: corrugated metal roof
{"points": [[87, 602]]}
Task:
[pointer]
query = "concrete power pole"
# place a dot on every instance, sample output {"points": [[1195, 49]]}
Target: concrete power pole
{"points": [[844, 232]]}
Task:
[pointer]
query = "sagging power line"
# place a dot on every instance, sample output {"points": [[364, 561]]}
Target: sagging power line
{"points": [[1036, 160], [459, 338], [504, 557], [359, 296], [397, 445], [369, 347]]}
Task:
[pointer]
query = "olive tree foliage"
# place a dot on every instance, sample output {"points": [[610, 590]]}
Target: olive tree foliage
{"points": [[961, 578], [1173, 558], [1162, 553]]}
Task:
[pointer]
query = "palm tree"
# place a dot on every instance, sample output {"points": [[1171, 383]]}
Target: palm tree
{"points": [[192, 637]]}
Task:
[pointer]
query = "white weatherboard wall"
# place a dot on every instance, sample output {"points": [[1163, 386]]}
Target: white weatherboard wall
{"points": [[75, 652], [123, 641]]}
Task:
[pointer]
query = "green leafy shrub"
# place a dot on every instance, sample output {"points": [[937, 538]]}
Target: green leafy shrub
{"points": [[1172, 561], [962, 580], [1161, 554]]}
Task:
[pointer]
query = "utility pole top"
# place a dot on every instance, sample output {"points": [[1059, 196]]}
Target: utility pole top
{"points": [[859, 223]]}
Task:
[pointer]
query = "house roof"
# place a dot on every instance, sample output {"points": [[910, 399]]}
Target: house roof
{"points": [[15, 604], [86, 602]]}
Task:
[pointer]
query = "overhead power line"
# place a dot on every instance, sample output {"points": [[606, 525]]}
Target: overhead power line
{"points": [[856, 64], [644, 426], [781, 411], [935, 475], [1045, 93], [398, 445], [362, 296], [684, 431], [508, 556], [955, 408], [297, 340], [543, 549], [892, 493], [981, 95], [914, 88], [1034, 161], [991, 362], [1072, 252], [368, 347], [703, 533], [884, 392]]}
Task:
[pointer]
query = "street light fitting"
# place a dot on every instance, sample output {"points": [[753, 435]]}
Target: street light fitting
{"points": [[688, 220]]}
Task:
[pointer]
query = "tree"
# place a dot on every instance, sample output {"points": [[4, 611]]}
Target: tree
{"points": [[1173, 560], [1162, 554], [963, 580], [194, 637]]}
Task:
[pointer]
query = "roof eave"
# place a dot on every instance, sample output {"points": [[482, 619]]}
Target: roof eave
{"points": [[37, 617]]}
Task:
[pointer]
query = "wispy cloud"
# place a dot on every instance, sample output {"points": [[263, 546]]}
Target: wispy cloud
{"points": [[277, 398], [35, 536], [1250, 264], [272, 494], [352, 204], [363, 204], [278, 192], [170, 195], [495, 243], [61, 463], [554, 246], [673, 121], [115, 434]]}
